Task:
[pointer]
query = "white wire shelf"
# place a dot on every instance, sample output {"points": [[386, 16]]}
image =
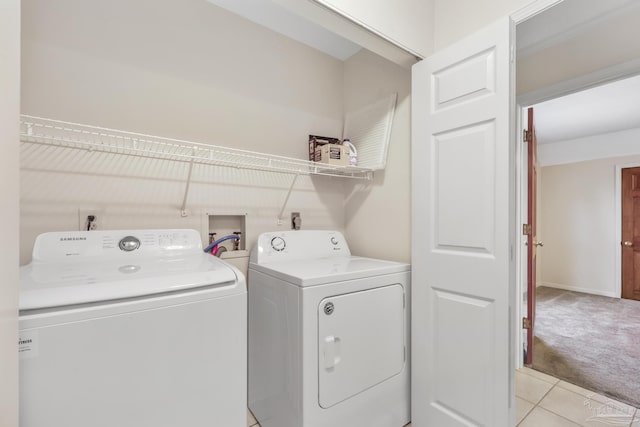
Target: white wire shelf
{"points": [[57, 133]]}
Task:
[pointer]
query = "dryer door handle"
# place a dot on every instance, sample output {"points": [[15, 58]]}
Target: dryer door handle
{"points": [[331, 352]]}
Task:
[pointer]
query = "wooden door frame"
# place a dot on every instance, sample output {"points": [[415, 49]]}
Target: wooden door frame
{"points": [[618, 226]]}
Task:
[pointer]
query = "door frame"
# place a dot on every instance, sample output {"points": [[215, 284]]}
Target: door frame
{"points": [[618, 226], [520, 159], [529, 99]]}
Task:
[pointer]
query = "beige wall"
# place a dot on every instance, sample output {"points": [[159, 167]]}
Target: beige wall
{"points": [[455, 19], [378, 213], [539, 226], [9, 188], [188, 70], [578, 225], [196, 73]]}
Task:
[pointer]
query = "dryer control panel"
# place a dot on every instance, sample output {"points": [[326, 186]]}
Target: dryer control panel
{"points": [[305, 244]]}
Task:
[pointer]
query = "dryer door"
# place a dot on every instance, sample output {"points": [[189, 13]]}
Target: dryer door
{"points": [[361, 341]]}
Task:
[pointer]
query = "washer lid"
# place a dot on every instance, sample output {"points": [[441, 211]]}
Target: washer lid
{"points": [[311, 272], [56, 284]]}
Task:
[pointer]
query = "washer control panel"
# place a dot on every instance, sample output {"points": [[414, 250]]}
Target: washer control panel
{"points": [[304, 244], [115, 243]]}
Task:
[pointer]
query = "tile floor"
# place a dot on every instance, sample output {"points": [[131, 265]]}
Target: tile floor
{"points": [[545, 401]]}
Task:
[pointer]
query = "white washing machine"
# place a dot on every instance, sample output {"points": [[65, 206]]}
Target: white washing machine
{"points": [[328, 334], [131, 329]]}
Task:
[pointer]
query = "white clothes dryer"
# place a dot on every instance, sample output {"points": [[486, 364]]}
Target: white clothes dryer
{"points": [[131, 329], [328, 334]]}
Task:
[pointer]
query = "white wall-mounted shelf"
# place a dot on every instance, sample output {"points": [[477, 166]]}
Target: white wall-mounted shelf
{"points": [[38, 130], [57, 133]]}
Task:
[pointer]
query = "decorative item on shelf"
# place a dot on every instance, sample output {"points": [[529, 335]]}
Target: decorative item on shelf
{"points": [[332, 154], [353, 153], [316, 141]]}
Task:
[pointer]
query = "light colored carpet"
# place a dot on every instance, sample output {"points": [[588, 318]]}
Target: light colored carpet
{"points": [[589, 340]]}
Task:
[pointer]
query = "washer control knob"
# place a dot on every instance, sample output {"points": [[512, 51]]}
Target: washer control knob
{"points": [[129, 243], [278, 244], [334, 240]]}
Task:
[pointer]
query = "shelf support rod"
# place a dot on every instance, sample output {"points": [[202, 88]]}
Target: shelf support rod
{"points": [[183, 209], [286, 200]]}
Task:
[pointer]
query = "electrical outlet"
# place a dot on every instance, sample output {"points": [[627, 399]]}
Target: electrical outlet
{"points": [[296, 220], [90, 219]]}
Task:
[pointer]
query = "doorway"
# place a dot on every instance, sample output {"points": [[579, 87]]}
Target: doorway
{"points": [[549, 46], [578, 212], [541, 61]]}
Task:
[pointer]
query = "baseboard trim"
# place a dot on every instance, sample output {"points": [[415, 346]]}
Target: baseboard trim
{"points": [[611, 294]]}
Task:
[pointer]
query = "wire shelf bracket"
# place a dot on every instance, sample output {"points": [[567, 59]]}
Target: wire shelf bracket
{"points": [[286, 199], [183, 208]]}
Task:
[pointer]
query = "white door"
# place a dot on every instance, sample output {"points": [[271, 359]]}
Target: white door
{"points": [[462, 189]]}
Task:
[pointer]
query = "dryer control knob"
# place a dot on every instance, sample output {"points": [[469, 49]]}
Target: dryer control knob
{"points": [[334, 240], [278, 244]]}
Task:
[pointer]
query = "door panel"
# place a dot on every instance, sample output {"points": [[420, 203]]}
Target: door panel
{"points": [[462, 117], [461, 322], [469, 79], [360, 342], [465, 197], [631, 233], [532, 242]]}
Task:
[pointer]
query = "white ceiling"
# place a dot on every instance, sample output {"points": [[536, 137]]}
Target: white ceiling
{"points": [[604, 109], [276, 18]]}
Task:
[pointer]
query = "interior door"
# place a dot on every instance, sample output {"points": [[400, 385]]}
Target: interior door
{"points": [[631, 233], [463, 221], [532, 242]]}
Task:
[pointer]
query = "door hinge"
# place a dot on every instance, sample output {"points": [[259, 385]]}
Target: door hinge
{"points": [[526, 323], [526, 229], [526, 135]]}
